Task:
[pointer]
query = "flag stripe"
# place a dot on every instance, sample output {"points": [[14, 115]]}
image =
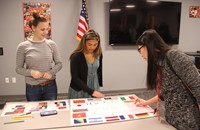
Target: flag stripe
{"points": [[83, 22], [80, 30], [83, 25]]}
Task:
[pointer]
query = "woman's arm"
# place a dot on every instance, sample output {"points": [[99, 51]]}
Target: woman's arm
{"points": [[20, 60], [56, 59], [142, 102]]}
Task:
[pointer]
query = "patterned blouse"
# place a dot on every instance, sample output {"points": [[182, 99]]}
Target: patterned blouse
{"points": [[180, 109]]}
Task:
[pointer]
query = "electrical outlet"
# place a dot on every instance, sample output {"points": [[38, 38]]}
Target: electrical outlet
{"points": [[7, 80], [13, 79]]}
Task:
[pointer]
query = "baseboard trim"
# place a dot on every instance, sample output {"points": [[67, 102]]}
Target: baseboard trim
{"points": [[15, 98]]}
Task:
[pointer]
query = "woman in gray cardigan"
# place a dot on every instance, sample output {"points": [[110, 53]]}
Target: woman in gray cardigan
{"points": [[168, 70]]}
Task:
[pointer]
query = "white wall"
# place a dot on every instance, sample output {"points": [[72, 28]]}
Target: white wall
{"points": [[123, 68]]}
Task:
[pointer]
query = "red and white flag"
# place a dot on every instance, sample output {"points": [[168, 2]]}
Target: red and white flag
{"points": [[83, 24]]}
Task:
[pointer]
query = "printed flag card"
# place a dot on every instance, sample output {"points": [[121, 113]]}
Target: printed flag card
{"points": [[107, 109]]}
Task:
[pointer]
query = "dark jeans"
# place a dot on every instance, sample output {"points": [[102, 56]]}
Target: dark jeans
{"points": [[40, 93]]}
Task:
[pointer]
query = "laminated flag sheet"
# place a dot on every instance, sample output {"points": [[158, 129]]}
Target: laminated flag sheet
{"points": [[107, 109], [19, 108]]}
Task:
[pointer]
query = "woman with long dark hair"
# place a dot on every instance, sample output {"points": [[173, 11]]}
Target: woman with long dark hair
{"points": [[173, 74]]}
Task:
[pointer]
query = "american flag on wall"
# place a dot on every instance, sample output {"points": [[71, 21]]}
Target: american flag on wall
{"points": [[83, 25]]}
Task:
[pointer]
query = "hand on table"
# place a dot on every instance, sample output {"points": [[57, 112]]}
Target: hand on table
{"points": [[97, 94], [141, 102]]}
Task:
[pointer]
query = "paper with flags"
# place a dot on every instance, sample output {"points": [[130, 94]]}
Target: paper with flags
{"points": [[107, 109], [83, 24]]}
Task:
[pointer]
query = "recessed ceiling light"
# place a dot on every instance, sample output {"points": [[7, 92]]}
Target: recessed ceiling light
{"points": [[130, 6], [115, 10]]}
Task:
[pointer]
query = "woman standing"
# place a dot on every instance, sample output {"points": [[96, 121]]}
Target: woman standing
{"points": [[168, 70], [86, 67], [38, 60]]}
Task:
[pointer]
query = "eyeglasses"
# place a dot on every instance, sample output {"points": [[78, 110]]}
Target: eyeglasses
{"points": [[139, 49]]}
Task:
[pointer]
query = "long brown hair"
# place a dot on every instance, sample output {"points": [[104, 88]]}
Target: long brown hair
{"points": [[89, 35]]}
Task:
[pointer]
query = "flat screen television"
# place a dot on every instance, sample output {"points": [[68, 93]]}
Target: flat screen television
{"points": [[128, 19]]}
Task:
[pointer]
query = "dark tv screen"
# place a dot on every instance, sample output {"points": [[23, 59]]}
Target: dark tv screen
{"points": [[128, 19]]}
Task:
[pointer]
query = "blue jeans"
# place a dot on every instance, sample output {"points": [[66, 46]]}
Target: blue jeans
{"points": [[40, 93]]}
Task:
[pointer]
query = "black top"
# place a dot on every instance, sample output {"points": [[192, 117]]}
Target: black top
{"points": [[79, 72]]}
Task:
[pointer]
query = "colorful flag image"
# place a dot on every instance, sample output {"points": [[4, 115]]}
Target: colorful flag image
{"points": [[95, 119], [42, 105], [78, 101], [112, 118], [142, 115], [79, 115], [130, 116], [18, 109], [131, 97], [83, 24], [78, 121], [80, 110], [122, 117], [61, 104], [107, 109], [123, 98]]}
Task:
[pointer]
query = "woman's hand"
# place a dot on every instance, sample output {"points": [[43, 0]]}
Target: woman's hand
{"points": [[97, 94], [36, 74], [141, 102], [47, 75]]}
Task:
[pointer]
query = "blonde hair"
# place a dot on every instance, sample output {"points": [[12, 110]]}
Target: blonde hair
{"points": [[89, 35]]}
